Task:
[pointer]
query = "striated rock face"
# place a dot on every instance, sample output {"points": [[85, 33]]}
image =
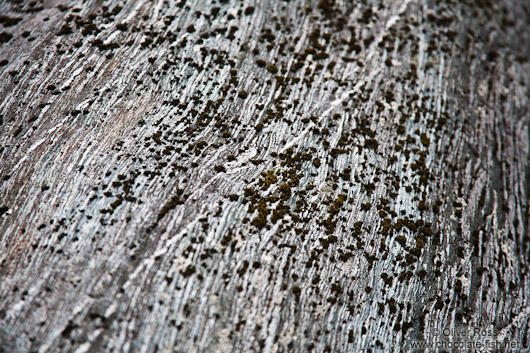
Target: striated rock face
{"points": [[262, 176]]}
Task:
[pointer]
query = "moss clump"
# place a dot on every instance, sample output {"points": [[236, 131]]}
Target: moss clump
{"points": [[337, 204], [401, 240], [188, 271], [285, 190], [249, 10], [65, 29], [350, 336], [366, 206], [424, 140], [279, 212], [219, 168], [330, 224], [260, 221], [269, 179], [17, 131], [243, 268], [371, 143], [233, 197], [175, 200], [272, 69], [458, 285], [5, 37]]}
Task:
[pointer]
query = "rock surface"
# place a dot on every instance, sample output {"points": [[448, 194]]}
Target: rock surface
{"points": [[272, 176]]}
